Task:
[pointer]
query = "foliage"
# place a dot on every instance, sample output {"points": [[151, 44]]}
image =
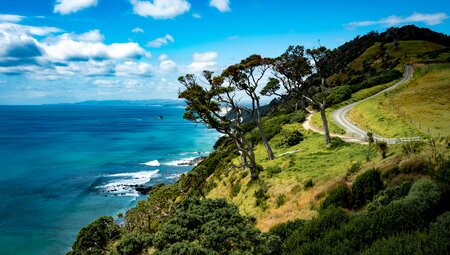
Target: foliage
{"points": [[292, 138], [273, 170], [410, 148], [388, 195], [235, 188], [366, 186], [95, 237], [132, 244], [341, 196], [339, 94], [281, 199], [261, 195], [382, 146], [298, 117], [209, 227], [308, 184]]}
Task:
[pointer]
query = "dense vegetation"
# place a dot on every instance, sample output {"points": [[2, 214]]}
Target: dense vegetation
{"points": [[395, 203]]}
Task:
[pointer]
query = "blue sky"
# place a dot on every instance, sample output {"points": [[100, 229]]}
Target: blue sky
{"points": [[75, 50]]}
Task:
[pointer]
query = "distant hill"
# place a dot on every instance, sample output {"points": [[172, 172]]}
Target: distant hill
{"points": [[152, 102]]}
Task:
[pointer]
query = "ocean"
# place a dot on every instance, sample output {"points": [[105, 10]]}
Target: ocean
{"points": [[63, 166]]}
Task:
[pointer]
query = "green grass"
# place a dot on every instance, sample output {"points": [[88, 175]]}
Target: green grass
{"points": [[418, 108], [313, 161], [317, 122]]}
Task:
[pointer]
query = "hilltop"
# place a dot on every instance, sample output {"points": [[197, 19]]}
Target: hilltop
{"points": [[312, 198]]}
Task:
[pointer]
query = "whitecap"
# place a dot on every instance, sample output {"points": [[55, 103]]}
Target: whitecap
{"points": [[180, 162], [152, 163], [125, 184]]}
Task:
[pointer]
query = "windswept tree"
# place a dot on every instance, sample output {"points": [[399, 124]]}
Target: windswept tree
{"points": [[204, 106], [290, 70], [246, 76], [316, 91]]}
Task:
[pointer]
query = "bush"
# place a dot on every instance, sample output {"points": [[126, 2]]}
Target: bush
{"points": [[339, 94], [382, 146], [210, 226], [366, 186], [308, 184], [292, 138], [354, 168], [281, 199], [385, 197], [285, 229], [413, 165], [132, 244], [261, 195], [273, 170], [235, 188], [410, 148], [443, 171], [95, 237], [341, 196], [298, 117]]}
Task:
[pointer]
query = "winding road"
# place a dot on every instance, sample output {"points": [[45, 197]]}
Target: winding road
{"points": [[355, 133]]}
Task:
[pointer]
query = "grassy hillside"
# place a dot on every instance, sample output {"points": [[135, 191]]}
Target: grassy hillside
{"points": [[417, 108]]}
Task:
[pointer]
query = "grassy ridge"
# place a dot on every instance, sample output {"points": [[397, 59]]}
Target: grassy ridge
{"points": [[417, 108]]}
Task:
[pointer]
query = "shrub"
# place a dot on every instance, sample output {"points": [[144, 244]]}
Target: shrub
{"points": [[410, 148], [261, 195], [354, 168], [235, 188], [273, 170], [385, 197], [413, 165], [298, 117], [341, 196], [292, 138], [285, 229], [366, 186], [308, 184], [94, 238], [132, 244], [281, 199], [339, 94], [382, 146], [443, 171]]}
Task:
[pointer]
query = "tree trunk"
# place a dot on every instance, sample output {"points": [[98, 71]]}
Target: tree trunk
{"points": [[251, 156], [269, 151], [270, 154], [325, 125]]}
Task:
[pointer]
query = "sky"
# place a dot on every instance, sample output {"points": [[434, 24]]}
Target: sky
{"points": [[62, 51]]}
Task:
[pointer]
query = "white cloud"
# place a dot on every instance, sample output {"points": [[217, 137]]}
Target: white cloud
{"points": [[233, 37], [202, 61], [162, 57], [160, 9], [205, 57], [131, 68], [29, 30], [90, 36], [197, 15], [69, 6], [159, 42], [429, 19], [221, 5], [11, 18], [167, 66], [138, 30]]}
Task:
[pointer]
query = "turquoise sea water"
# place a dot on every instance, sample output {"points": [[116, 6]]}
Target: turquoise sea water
{"points": [[62, 167]]}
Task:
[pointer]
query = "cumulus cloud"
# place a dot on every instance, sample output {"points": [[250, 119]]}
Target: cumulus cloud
{"points": [[163, 57], [160, 9], [429, 19], [70, 6], [167, 66], [10, 18], [161, 41], [202, 61], [221, 5], [131, 68], [138, 30], [90, 36]]}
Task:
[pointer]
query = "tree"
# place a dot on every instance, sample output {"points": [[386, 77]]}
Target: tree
{"points": [[204, 106], [246, 76], [94, 238], [291, 69], [323, 65]]}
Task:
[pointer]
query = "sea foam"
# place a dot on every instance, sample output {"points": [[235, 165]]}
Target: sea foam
{"points": [[125, 184], [151, 163]]}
